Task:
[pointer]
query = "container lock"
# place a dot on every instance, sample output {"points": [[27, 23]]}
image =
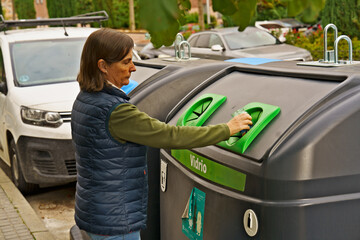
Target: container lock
{"points": [[251, 223]]}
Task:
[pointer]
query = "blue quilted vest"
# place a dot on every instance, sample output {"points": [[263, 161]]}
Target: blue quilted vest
{"points": [[112, 186]]}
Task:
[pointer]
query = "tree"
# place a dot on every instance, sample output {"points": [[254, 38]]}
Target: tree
{"points": [[344, 14], [131, 15], [159, 17], [25, 9], [201, 15], [13, 9]]}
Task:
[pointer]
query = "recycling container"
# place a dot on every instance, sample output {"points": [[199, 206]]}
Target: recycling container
{"points": [[162, 84], [294, 175]]}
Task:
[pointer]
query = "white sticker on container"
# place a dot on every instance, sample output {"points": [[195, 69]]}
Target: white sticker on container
{"points": [[163, 173]]}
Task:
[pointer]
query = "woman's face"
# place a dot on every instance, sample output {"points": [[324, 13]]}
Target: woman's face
{"points": [[118, 73]]}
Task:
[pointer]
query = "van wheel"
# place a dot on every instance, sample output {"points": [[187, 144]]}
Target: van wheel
{"points": [[16, 172]]}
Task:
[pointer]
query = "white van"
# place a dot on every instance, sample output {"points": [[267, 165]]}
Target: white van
{"points": [[38, 86]]}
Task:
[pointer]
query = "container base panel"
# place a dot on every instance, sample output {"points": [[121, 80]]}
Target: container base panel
{"points": [[330, 217]]}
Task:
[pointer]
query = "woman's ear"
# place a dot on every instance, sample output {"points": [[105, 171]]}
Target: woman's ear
{"points": [[102, 65]]}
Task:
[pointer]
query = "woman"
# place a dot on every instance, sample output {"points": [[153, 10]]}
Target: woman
{"points": [[110, 136]]}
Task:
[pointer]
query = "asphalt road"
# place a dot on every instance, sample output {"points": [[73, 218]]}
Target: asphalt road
{"points": [[55, 206]]}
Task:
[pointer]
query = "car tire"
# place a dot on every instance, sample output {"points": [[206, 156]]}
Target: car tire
{"points": [[16, 172]]}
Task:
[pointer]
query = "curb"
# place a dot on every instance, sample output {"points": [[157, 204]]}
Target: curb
{"points": [[26, 213]]}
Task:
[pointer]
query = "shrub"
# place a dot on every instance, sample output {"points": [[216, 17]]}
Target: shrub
{"points": [[59, 9], [25, 9], [344, 14], [193, 26], [314, 43], [274, 9]]}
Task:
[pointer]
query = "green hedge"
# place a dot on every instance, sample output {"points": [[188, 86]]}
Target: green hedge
{"points": [[118, 10], [63, 8], [25, 9], [345, 14], [314, 43], [84, 6]]}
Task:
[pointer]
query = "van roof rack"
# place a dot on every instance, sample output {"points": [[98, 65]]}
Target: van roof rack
{"points": [[82, 19]]}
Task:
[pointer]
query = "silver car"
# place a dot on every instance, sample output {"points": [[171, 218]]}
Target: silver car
{"points": [[227, 43]]}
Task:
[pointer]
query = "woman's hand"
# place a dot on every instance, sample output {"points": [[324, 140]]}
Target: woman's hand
{"points": [[239, 122]]}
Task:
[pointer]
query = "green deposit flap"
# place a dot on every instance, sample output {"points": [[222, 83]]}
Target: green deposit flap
{"points": [[201, 110], [262, 114], [203, 107]]}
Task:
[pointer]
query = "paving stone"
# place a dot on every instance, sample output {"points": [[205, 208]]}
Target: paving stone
{"points": [[10, 235], [17, 219], [11, 224], [7, 230], [4, 223]]}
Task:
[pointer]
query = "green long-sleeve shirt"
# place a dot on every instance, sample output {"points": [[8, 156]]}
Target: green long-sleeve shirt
{"points": [[127, 123]]}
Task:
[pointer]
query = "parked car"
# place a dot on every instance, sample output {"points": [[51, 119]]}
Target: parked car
{"points": [[38, 86], [293, 24], [275, 28], [228, 43], [149, 51], [313, 28], [281, 27]]}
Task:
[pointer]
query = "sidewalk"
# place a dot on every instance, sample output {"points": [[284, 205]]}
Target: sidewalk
{"points": [[18, 221]]}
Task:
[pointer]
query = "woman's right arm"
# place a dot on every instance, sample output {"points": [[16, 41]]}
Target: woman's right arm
{"points": [[127, 123]]}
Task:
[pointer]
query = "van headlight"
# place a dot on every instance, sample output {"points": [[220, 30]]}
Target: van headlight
{"points": [[40, 118]]}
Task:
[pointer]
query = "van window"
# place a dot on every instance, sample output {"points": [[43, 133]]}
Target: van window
{"points": [[2, 69], [45, 62]]}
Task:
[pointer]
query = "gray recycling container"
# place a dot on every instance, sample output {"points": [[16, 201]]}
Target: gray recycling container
{"points": [[162, 84], [294, 175]]}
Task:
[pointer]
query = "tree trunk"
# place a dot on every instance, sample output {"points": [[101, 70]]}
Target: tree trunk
{"points": [[201, 15], [13, 10], [131, 15]]}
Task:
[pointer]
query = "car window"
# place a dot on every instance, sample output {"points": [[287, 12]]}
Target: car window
{"points": [[250, 37], [215, 40], [203, 41], [192, 41], [271, 25], [44, 62]]}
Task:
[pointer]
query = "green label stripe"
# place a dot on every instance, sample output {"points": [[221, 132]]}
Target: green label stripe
{"points": [[211, 170]]}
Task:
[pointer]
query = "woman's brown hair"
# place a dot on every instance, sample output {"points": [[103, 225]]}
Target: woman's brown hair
{"points": [[107, 44]]}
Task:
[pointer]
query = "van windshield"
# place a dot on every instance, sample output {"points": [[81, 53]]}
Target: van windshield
{"points": [[46, 62]]}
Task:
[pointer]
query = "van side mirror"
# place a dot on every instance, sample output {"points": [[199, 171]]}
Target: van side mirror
{"points": [[3, 88], [217, 48]]}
